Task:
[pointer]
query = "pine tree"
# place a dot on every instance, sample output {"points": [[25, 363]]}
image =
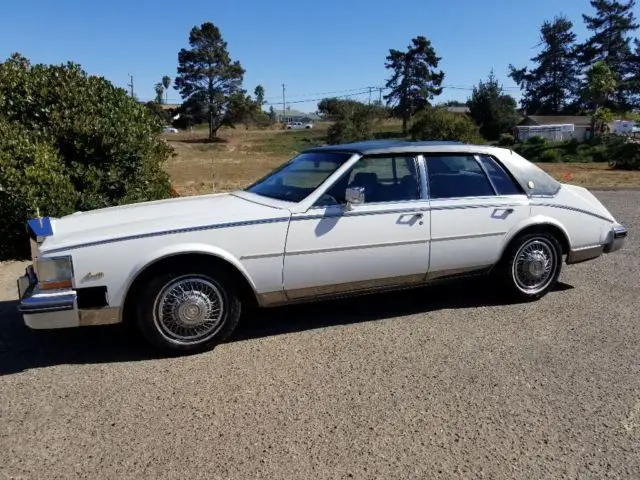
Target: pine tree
{"points": [[610, 42], [415, 80], [550, 87], [492, 110], [207, 75]]}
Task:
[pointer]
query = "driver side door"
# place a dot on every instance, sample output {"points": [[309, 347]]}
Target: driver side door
{"points": [[382, 242]]}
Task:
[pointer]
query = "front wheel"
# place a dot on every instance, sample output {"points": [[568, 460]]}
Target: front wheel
{"points": [[531, 266], [189, 310]]}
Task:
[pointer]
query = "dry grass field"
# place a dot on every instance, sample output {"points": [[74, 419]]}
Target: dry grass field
{"points": [[242, 156]]}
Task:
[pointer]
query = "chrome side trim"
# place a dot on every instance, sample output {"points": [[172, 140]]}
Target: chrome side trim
{"points": [[456, 272], [52, 303], [470, 235], [473, 205], [579, 255], [99, 316], [257, 256], [572, 209], [353, 213], [269, 299], [169, 232], [352, 287], [356, 247], [367, 287]]}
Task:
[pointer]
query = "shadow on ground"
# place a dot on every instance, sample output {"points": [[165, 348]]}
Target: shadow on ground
{"points": [[23, 349]]}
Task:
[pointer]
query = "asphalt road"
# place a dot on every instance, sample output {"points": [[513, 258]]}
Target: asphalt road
{"points": [[438, 382]]}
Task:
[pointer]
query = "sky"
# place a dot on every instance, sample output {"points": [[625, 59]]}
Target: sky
{"points": [[333, 47]]}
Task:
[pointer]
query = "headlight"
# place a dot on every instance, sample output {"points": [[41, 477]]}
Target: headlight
{"points": [[54, 273]]}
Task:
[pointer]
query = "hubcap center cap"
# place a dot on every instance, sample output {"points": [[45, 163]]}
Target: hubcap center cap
{"points": [[192, 311], [536, 265]]}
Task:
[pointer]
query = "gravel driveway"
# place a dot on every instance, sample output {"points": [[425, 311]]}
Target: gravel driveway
{"points": [[438, 382]]}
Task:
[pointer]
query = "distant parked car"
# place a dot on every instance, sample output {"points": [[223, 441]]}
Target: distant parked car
{"points": [[333, 221], [168, 129], [298, 125]]}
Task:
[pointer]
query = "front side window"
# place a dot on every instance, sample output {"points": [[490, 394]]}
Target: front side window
{"points": [[385, 179], [454, 176], [298, 178]]}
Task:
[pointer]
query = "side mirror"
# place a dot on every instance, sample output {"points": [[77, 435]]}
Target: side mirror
{"points": [[354, 196]]}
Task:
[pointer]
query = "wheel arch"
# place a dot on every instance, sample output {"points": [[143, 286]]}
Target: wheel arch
{"points": [[538, 225], [163, 261]]}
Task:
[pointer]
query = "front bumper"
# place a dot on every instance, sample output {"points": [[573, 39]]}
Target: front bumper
{"points": [[57, 308]]}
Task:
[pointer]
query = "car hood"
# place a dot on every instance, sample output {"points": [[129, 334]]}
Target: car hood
{"points": [[157, 216]]}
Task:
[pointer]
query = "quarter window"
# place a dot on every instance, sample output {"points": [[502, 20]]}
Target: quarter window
{"points": [[457, 176], [499, 177], [385, 179]]}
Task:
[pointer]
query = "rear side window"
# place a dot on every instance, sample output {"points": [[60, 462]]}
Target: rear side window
{"points": [[499, 177], [455, 176]]}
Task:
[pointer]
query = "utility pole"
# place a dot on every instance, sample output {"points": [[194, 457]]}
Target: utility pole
{"points": [[130, 85], [380, 96], [370, 88], [283, 104]]}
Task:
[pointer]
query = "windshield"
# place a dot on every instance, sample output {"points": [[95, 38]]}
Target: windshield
{"points": [[297, 179]]}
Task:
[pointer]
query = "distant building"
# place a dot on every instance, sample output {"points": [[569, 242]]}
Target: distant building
{"points": [[295, 116], [554, 127], [461, 110]]}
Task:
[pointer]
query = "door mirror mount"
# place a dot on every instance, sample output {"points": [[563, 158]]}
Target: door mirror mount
{"points": [[354, 196]]}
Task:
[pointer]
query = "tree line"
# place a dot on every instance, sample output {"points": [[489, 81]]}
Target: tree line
{"points": [[600, 76]]}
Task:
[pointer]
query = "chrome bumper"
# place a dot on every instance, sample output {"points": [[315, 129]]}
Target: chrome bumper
{"points": [[57, 309], [616, 239]]}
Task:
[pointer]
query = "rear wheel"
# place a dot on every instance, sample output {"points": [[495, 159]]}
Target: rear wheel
{"points": [[189, 310], [531, 265]]}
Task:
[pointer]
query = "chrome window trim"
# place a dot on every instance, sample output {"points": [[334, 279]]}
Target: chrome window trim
{"points": [[459, 154], [352, 164], [476, 157], [424, 183], [507, 172]]}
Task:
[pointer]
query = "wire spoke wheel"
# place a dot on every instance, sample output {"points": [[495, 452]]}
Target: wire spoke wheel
{"points": [[189, 309], [534, 266]]}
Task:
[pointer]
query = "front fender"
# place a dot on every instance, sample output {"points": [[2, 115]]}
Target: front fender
{"points": [[167, 251]]}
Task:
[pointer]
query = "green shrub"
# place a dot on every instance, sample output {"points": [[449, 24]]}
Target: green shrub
{"points": [[81, 131], [506, 140], [32, 177], [625, 156], [354, 121], [536, 140], [550, 155], [439, 124]]}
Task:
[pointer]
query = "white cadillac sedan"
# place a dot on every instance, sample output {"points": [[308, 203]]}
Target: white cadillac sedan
{"points": [[333, 221]]}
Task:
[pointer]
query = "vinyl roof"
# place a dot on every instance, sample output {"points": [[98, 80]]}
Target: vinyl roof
{"points": [[398, 146]]}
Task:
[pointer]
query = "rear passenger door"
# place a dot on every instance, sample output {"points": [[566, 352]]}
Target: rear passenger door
{"points": [[474, 204]]}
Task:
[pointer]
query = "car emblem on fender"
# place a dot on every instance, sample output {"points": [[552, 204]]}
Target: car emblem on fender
{"points": [[89, 277]]}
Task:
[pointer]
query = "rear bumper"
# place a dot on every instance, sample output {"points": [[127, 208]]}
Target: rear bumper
{"points": [[615, 241], [57, 309]]}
